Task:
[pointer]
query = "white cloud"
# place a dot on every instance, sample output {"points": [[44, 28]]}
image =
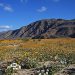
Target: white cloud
{"points": [[23, 1], [1, 5], [6, 7], [5, 27], [42, 9], [56, 0]]}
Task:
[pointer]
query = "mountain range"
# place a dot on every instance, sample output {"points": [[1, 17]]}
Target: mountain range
{"points": [[46, 28]]}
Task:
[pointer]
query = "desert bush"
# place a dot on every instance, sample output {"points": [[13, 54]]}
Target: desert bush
{"points": [[25, 39], [9, 71], [28, 63]]}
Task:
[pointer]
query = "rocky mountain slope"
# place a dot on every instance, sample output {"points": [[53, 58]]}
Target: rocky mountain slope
{"points": [[47, 28]]}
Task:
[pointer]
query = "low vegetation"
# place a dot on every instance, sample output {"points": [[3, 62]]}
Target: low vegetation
{"points": [[32, 51], [43, 50]]}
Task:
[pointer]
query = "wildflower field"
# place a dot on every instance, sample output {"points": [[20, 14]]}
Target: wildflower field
{"points": [[38, 49]]}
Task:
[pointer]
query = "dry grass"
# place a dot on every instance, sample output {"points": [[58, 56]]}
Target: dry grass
{"points": [[36, 48]]}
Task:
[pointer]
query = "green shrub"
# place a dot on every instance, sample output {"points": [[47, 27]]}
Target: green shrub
{"points": [[9, 71]]}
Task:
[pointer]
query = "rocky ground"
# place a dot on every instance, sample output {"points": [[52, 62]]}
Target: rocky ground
{"points": [[70, 70], [24, 72]]}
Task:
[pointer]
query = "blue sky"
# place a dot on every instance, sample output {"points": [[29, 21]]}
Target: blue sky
{"points": [[17, 13]]}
